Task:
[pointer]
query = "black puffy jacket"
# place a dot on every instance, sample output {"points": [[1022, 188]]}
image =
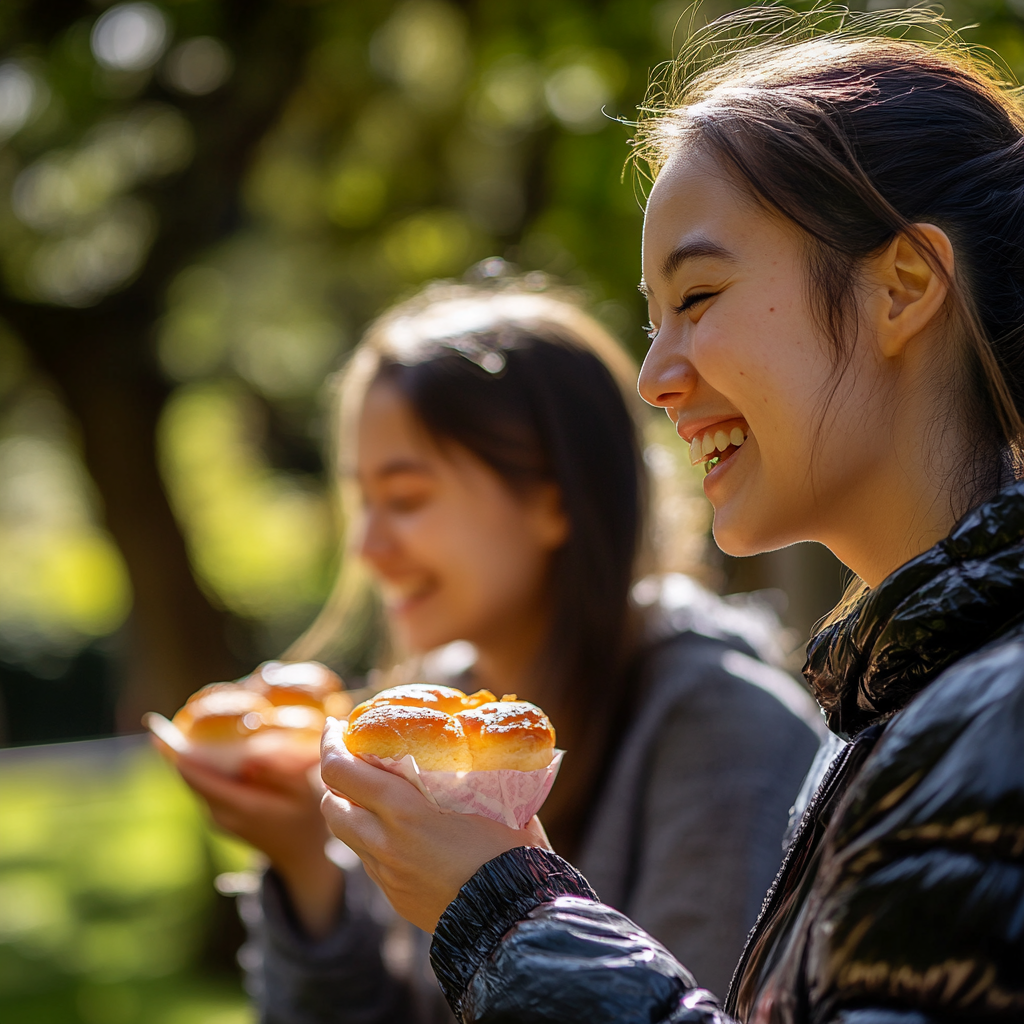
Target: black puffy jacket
{"points": [[901, 898]]}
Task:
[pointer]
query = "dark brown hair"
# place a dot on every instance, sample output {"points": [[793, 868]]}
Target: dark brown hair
{"points": [[540, 392], [855, 135]]}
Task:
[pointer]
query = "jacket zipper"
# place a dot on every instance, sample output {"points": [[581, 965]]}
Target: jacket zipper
{"points": [[833, 777]]}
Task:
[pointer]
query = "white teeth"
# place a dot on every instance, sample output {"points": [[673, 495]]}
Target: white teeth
{"points": [[709, 444]]}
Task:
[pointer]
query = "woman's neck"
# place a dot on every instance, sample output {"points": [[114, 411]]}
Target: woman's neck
{"points": [[507, 661], [913, 500]]}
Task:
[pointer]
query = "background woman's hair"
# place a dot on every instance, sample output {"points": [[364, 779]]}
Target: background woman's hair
{"points": [[538, 391], [855, 135]]}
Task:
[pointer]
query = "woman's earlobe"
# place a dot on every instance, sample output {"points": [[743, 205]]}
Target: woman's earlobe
{"points": [[914, 272], [553, 526]]}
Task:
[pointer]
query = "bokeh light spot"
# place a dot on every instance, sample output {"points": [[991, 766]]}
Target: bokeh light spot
{"points": [[20, 96], [198, 66], [428, 244], [356, 196], [576, 95], [423, 47], [129, 37]]}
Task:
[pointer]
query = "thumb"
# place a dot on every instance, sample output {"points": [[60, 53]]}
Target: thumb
{"points": [[537, 833]]}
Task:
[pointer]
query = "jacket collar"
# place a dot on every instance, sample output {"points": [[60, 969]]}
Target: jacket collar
{"points": [[938, 607]]}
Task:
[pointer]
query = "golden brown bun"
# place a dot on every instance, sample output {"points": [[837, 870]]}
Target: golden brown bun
{"points": [[434, 738], [423, 695], [294, 716], [205, 691], [222, 715], [415, 695], [508, 734], [293, 728], [183, 718], [290, 683]]}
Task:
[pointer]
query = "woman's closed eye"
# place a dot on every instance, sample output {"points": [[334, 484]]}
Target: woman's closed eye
{"points": [[689, 303], [692, 301], [406, 501]]}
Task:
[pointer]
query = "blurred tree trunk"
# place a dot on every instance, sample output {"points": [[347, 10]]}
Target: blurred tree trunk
{"points": [[101, 359], [99, 362]]}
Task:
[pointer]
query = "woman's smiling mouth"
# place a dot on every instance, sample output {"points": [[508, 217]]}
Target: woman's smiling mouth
{"points": [[717, 442], [399, 599]]}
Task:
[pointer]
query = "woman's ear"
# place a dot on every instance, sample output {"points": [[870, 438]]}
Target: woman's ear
{"points": [[907, 289], [550, 522]]}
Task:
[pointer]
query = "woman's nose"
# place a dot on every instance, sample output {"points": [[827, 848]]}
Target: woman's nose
{"points": [[667, 377], [375, 543]]}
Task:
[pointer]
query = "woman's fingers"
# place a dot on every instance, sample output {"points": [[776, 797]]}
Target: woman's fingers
{"points": [[358, 829], [373, 788], [163, 749], [210, 783], [235, 804], [536, 831], [289, 777]]}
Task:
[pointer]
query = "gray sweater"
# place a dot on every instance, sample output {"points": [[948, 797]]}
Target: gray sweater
{"points": [[685, 838]]}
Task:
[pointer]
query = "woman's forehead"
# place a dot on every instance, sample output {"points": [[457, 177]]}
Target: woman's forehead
{"points": [[697, 211], [388, 428]]}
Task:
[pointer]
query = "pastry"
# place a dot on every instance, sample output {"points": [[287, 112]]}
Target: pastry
{"points": [[302, 682], [446, 730], [433, 737], [508, 734], [221, 714], [423, 695]]}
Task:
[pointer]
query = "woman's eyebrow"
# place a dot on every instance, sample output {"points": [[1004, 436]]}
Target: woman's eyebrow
{"points": [[699, 248], [402, 465]]}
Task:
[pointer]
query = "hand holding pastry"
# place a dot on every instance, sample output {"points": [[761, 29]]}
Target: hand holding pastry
{"points": [[276, 809], [471, 754], [278, 711], [247, 749], [419, 854]]}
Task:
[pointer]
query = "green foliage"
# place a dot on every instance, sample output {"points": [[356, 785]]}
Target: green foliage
{"points": [[416, 137], [105, 884]]}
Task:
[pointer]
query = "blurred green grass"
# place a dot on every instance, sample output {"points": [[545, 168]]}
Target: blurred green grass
{"points": [[108, 913]]}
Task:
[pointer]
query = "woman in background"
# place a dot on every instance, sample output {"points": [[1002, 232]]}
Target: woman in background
{"points": [[490, 438]]}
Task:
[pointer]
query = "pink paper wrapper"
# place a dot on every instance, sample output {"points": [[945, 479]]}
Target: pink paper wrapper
{"points": [[508, 796]]}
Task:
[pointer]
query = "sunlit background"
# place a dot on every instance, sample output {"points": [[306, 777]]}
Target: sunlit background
{"points": [[202, 203]]}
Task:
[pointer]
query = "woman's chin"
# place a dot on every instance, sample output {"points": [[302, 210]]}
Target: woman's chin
{"points": [[740, 535], [418, 637]]}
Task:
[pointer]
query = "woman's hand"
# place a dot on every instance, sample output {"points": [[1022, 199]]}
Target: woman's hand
{"points": [[418, 854], [274, 806]]}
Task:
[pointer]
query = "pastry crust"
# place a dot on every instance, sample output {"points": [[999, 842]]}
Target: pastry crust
{"points": [[434, 738], [222, 714], [290, 683], [422, 695], [446, 730], [508, 734]]}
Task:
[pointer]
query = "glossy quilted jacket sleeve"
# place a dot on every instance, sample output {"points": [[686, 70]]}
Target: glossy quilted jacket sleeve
{"points": [[526, 941], [920, 897]]}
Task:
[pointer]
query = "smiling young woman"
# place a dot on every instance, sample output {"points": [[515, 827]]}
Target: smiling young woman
{"points": [[489, 443], [834, 262]]}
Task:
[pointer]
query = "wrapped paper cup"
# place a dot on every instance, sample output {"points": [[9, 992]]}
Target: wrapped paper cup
{"points": [[504, 795]]}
